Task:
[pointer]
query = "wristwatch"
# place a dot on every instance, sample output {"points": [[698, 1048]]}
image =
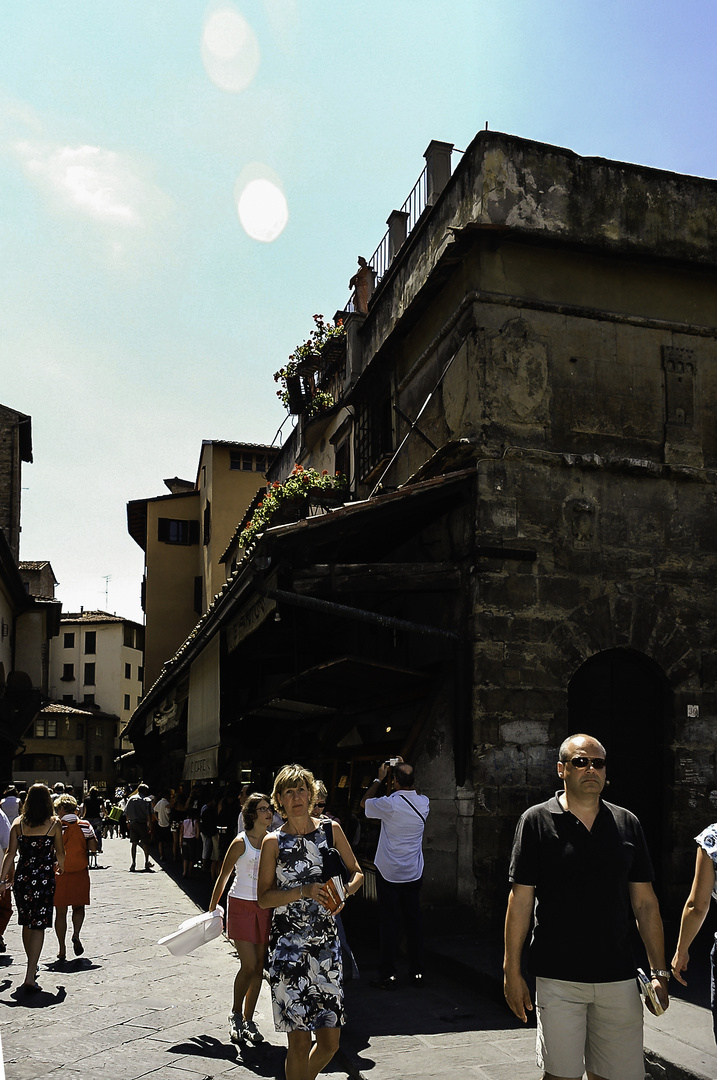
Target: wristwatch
{"points": [[660, 973]]}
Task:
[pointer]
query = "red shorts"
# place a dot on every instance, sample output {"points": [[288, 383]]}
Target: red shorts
{"points": [[246, 921]]}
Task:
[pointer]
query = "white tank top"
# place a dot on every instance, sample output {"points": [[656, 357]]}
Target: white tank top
{"points": [[246, 871]]}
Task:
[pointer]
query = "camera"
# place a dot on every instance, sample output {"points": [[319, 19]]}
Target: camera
{"points": [[391, 761]]}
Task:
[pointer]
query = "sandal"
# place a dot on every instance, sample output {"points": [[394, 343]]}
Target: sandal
{"points": [[77, 947]]}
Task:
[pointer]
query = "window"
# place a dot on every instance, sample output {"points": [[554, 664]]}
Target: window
{"points": [[177, 531], [128, 671], [198, 593], [375, 432], [88, 699], [128, 636], [79, 761], [98, 762], [80, 729], [45, 728], [260, 461], [89, 679], [68, 673], [90, 642], [126, 702], [207, 523], [69, 641], [140, 673]]}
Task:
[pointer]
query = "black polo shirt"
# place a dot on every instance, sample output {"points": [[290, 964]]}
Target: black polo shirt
{"points": [[583, 914]]}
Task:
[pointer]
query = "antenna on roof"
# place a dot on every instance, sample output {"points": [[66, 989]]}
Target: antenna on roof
{"points": [[107, 579]]}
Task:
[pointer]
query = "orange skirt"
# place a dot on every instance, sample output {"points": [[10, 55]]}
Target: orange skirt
{"points": [[73, 890]]}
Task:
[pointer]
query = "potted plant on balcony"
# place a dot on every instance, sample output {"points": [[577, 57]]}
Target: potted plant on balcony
{"points": [[296, 378], [300, 487]]}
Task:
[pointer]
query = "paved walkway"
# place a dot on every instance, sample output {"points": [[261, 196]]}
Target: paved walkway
{"points": [[128, 1009]]}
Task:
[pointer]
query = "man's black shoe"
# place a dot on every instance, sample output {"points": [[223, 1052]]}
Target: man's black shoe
{"points": [[386, 984]]}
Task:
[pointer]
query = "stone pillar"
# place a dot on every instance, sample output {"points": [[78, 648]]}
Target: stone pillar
{"points": [[465, 877], [354, 351], [397, 232], [438, 168]]}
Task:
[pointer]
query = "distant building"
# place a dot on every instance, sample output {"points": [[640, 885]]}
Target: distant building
{"points": [[71, 745], [183, 536], [27, 622], [96, 662], [38, 578]]}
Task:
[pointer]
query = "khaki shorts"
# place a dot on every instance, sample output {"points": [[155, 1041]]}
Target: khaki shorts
{"points": [[590, 1027]]}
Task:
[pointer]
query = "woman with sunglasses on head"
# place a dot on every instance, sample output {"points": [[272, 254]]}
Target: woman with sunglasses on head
{"points": [[247, 925], [305, 970]]}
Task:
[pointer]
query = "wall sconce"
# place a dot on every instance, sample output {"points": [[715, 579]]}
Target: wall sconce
{"points": [[4, 629]]}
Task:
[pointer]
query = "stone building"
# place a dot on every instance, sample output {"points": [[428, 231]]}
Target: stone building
{"points": [[528, 545]]}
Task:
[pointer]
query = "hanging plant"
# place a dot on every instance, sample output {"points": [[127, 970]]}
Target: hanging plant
{"points": [[301, 484], [320, 402], [307, 355]]}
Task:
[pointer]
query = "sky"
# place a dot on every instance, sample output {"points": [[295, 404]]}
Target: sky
{"points": [[185, 184]]}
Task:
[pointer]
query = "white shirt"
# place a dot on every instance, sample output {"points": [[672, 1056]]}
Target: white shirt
{"points": [[399, 856]]}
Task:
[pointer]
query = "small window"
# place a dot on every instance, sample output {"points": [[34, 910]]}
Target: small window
{"points": [[68, 673], [247, 462], [177, 531], [198, 593], [140, 673], [88, 699], [69, 640], [128, 671], [90, 642], [207, 523], [234, 459], [260, 460], [45, 728], [128, 635], [89, 679], [126, 702]]}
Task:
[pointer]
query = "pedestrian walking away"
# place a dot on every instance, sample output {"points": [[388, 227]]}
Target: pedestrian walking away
{"points": [[138, 812], [305, 973], [580, 866], [37, 836], [72, 888], [246, 924], [399, 867]]}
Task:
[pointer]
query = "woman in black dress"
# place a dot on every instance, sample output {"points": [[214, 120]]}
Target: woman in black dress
{"points": [[37, 836]]}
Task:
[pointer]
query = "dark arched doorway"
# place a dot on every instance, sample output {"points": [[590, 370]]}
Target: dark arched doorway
{"points": [[624, 699]]}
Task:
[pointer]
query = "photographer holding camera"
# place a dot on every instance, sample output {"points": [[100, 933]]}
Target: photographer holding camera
{"points": [[399, 867]]}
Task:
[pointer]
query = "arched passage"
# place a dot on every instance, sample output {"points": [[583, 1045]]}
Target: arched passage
{"points": [[624, 699]]}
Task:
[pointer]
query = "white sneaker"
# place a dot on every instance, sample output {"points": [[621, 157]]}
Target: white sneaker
{"points": [[251, 1033], [236, 1024]]}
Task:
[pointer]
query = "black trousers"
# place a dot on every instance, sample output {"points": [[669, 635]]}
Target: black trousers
{"points": [[399, 906]]}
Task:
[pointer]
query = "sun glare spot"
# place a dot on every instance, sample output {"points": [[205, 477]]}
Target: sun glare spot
{"points": [[230, 50], [261, 203]]}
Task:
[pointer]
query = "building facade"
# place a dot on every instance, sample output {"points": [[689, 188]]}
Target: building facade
{"points": [[524, 406], [70, 745], [183, 536]]}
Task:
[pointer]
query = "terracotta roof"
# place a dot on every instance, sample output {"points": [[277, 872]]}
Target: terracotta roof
{"points": [[95, 617]]}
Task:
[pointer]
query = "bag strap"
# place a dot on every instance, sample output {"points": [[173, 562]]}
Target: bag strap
{"points": [[328, 827], [409, 803]]}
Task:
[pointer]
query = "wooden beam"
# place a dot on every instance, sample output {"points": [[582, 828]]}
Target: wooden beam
{"points": [[381, 577]]}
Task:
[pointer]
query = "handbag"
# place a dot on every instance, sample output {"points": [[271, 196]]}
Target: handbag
{"points": [[333, 864]]}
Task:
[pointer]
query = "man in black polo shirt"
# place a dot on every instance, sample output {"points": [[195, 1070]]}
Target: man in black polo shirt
{"points": [[581, 867]]}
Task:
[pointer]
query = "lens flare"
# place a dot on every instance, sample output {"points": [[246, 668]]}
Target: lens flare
{"points": [[261, 203], [230, 50]]}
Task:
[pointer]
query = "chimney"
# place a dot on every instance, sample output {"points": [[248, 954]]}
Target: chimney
{"points": [[438, 169]]}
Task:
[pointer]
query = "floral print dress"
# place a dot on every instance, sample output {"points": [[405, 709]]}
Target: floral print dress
{"points": [[305, 971], [34, 883], [708, 842]]}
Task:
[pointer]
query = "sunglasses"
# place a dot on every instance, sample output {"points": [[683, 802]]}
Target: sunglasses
{"points": [[583, 762], [321, 804]]}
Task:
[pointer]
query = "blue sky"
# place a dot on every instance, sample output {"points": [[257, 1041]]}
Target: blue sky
{"points": [[138, 315]]}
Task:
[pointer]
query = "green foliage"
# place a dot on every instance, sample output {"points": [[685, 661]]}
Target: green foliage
{"points": [[309, 350], [301, 484]]}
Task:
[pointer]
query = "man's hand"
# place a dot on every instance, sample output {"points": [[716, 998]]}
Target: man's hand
{"points": [[662, 995], [517, 995]]}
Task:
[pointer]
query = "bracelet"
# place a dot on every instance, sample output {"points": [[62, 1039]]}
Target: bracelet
{"points": [[660, 973], [377, 781]]}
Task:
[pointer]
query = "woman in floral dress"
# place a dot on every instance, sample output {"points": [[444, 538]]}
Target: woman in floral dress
{"points": [[704, 887], [304, 952], [37, 835]]}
